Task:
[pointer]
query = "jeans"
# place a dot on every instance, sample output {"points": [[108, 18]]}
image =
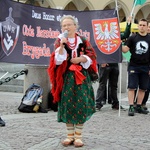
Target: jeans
{"points": [[110, 73]]}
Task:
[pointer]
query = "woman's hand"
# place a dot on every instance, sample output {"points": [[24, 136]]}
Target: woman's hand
{"points": [[62, 41], [77, 60]]}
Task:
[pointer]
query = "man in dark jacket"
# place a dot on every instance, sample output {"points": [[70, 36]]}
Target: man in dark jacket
{"points": [[110, 71]]}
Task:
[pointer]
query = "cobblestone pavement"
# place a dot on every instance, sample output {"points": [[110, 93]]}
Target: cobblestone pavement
{"points": [[107, 129]]}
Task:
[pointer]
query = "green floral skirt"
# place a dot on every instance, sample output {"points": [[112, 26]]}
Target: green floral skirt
{"points": [[77, 102]]}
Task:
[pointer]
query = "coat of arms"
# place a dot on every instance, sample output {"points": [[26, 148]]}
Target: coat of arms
{"points": [[106, 35], [9, 34]]}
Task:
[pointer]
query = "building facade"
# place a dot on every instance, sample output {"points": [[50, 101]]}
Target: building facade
{"points": [[124, 7]]}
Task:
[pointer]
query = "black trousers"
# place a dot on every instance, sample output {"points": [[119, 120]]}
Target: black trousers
{"points": [[111, 74], [146, 96]]}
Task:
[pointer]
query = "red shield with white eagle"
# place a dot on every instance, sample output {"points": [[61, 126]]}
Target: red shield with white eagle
{"points": [[106, 35]]}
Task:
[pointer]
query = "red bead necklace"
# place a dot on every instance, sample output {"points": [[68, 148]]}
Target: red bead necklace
{"points": [[72, 45]]}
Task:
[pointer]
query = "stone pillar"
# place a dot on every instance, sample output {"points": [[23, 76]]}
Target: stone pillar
{"points": [[124, 77], [38, 75]]}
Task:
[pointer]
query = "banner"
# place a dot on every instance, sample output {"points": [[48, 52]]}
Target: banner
{"points": [[28, 33]]}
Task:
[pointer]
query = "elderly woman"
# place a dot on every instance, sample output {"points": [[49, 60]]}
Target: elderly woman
{"points": [[69, 72]]}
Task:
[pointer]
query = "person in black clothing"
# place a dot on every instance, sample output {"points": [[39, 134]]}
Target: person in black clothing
{"points": [[2, 123], [146, 96], [138, 69], [110, 72], [145, 99]]}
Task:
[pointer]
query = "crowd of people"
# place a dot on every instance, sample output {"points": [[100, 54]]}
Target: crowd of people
{"points": [[138, 68], [72, 86], [72, 89], [108, 74]]}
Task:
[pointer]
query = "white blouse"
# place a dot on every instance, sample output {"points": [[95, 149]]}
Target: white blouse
{"points": [[60, 58]]}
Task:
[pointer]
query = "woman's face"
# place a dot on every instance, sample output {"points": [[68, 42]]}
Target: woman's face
{"points": [[68, 24]]}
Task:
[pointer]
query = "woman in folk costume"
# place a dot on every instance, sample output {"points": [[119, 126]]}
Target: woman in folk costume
{"points": [[70, 78]]}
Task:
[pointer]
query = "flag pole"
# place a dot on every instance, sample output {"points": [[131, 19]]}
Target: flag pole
{"points": [[117, 9], [133, 7], [120, 66]]}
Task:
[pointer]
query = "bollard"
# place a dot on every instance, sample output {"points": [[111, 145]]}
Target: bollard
{"points": [[38, 75]]}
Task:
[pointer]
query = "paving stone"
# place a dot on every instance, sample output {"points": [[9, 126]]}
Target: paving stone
{"points": [[106, 130]]}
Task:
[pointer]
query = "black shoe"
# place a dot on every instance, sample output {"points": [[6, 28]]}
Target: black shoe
{"points": [[131, 111], [109, 102], [42, 110], [98, 107], [141, 110], [103, 102], [144, 107], [2, 123], [116, 107]]}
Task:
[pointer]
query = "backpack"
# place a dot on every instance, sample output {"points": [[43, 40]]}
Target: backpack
{"points": [[29, 100]]}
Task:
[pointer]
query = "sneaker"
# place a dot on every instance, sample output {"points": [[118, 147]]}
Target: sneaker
{"points": [[98, 107], [131, 111], [141, 110], [2, 123]]}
